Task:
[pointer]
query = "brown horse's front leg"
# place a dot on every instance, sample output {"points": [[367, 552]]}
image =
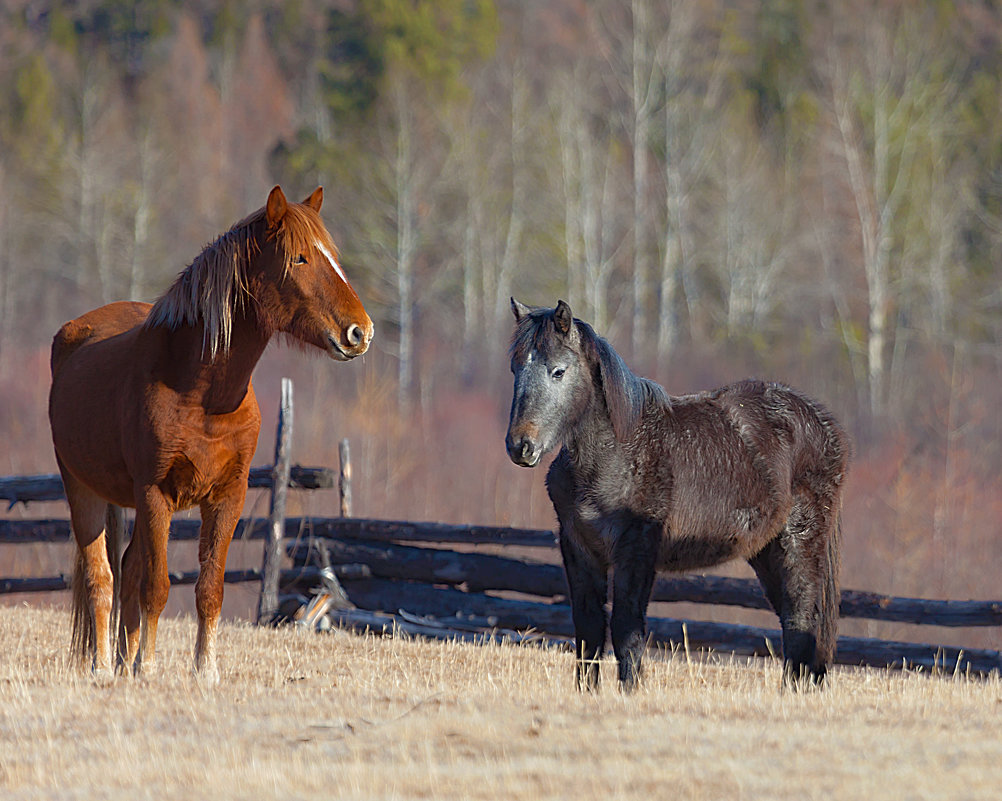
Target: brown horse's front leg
{"points": [[145, 581], [219, 519]]}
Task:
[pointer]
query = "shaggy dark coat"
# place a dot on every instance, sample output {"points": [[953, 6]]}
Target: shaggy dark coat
{"points": [[646, 481]]}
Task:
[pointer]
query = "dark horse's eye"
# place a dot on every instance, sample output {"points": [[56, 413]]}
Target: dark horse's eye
{"points": [[557, 373], [299, 260]]}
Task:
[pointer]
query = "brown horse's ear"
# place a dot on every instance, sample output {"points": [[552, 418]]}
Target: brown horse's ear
{"points": [[520, 310], [562, 317], [276, 207], [316, 200]]}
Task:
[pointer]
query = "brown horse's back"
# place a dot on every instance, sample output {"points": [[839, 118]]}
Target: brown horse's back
{"points": [[91, 360], [96, 325]]}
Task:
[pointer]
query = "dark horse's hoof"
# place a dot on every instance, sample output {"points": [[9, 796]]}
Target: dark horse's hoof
{"points": [[803, 678]]}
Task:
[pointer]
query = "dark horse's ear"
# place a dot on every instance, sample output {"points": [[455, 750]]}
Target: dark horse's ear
{"points": [[316, 200], [276, 207], [520, 310], [562, 317]]}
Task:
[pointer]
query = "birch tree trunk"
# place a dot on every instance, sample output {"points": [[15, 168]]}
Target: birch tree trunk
{"points": [[406, 244]]}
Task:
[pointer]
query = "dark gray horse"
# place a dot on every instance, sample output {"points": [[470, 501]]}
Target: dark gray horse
{"points": [[647, 481]]}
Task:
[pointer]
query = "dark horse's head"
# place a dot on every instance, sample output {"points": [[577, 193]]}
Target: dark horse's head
{"points": [[561, 367], [553, 382]]}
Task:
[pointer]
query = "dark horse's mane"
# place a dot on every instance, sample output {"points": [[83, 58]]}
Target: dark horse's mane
{"points": [[626, 394]]}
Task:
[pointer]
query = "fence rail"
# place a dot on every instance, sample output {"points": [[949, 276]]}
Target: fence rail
{"points": [[26, 489], [377, 544]]}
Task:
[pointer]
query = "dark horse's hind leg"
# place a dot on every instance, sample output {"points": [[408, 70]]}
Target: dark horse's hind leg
{"points": [[633, 577], [795, 571], [586, 580]]}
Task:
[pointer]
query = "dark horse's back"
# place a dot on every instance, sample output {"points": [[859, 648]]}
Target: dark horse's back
{"points": [[733, 464], [719, 473]]}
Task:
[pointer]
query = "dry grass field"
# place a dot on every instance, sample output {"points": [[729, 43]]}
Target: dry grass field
{"points": [[308, 716]]}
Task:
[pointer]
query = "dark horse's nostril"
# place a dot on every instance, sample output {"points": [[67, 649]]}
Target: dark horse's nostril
{"points": [[527, 449], [355, 335]]}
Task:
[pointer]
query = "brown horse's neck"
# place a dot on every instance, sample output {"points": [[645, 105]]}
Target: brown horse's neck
{"points": [[221, 384]]}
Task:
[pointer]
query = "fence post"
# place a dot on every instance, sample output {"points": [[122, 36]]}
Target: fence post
{"points": [[270, 568], [344, 481]]}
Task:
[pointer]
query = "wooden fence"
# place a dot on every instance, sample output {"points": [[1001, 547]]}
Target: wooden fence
{"points": [[388, 575], [401, 575]]}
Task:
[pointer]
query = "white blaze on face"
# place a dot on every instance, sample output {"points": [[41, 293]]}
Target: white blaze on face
{"points": [[330, 257]]}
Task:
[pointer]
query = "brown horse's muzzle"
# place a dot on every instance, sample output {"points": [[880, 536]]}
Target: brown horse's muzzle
{"points": [[353, 342]]}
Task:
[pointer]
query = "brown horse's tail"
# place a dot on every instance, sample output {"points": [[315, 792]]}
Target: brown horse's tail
{"points": [[831, 595], [83, 641]]}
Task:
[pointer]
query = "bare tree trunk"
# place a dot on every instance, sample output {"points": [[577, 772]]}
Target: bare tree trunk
{"points": [[866, 194], [644, 70], [471, 311], [568, 122], [141, 214], [406, 246], [510, 257]]}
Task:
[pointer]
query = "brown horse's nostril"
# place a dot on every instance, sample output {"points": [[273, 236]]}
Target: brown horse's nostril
{"points": [[355, 335]]}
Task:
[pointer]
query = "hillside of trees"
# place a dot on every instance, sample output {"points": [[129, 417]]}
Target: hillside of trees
{"points": [[790, 189]]}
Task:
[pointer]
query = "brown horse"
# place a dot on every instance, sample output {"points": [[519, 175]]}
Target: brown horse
{"points": [[152, 408]]}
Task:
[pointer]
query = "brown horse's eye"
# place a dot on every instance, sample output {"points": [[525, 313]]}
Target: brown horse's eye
{"points": [[299, 260]]}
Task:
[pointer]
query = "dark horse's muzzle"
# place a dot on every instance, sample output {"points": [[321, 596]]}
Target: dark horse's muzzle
{"points": [[523, 449]]}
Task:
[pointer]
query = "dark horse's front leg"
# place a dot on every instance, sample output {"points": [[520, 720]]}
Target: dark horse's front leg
{"points": [[586, 579], [634, 559]]}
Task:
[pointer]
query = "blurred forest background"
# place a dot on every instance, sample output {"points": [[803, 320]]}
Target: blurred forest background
{"points": [[790, 189]]}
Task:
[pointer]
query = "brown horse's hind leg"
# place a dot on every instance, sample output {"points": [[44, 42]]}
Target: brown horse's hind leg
{"points": [[93, 580], [145, 582], [219, 519]]}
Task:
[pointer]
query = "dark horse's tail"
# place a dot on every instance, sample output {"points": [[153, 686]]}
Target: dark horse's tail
{"points": [[838, 450], [84, 638], [831, 595]]}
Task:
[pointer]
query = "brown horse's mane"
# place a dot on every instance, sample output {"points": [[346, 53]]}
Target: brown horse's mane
{"points": [[214, 286]]}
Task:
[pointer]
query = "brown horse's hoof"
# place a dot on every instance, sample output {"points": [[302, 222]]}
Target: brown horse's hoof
{"points": [[103, 677], [206, 676]]}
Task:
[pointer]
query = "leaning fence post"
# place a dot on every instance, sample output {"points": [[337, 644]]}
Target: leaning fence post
{"points": [[270, 567], [344, 481]]}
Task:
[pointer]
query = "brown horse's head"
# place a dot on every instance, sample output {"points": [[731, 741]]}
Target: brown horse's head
{"points": [[302, 289]]}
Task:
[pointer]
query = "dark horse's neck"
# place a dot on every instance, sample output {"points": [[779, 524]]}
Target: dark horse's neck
{"points": [[591, 441], [591, 438], [219, 385]]}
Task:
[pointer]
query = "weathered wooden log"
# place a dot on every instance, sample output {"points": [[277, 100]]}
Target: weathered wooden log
{"points": [[25, 531], [482, 572], [477, 572], [447, 604], [381, 623], [397, 530], [24, 489], [305, 577]]}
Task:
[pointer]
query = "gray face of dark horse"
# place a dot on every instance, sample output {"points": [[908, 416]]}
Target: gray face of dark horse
{"points": [[549, 376]]}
